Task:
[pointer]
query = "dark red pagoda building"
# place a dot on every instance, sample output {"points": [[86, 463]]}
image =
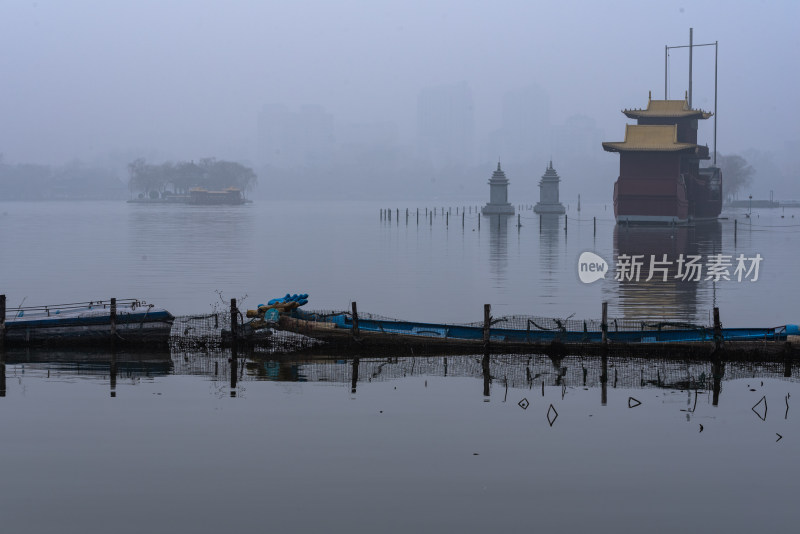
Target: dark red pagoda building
{"points": [[660, 179]]}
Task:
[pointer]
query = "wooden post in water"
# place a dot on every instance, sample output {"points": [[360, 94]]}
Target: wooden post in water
{"points": [[566, 219], [717, 331], [447, 219], [735, 230], [113, 317], [406, 216], [355, 320], [540, 223], [462, 219], [112, 373], [2, 373], [2, 346], [112, 368], [479, 222], [234, 330], [431, 216], [487, 377], [487, 323], [2, 325], [389, 212], [604, 322], [594, 223], [417, 216], [398, 216], [234, 345]]}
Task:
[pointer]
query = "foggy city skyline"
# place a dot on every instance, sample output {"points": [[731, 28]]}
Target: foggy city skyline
{"points": [[106, 84]]}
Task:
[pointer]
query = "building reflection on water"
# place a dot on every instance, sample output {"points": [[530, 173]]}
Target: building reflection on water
{"points": [[549, 253], [498, 247], [671, 299]]}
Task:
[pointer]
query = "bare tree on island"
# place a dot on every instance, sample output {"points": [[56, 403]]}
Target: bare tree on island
{"points": [[736, 175]]}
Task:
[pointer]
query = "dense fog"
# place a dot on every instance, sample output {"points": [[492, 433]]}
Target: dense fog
{"points": [[386, 100]]}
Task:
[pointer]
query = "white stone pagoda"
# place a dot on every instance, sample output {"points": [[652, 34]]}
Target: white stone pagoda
{"points": [[498, 195], [548, 193]]}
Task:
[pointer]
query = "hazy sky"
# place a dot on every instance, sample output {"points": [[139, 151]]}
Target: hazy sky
{"points": [[82, 78]]}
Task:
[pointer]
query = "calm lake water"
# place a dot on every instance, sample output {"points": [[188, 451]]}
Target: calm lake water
{"points": [[167, 443], [183, 257], [415, 445]]}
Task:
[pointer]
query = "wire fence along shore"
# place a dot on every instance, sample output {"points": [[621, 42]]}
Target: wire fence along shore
{"points": [[316, 333], [283, 328]]}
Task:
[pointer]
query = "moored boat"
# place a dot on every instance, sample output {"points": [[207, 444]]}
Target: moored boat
{"points": [[135, 323], [327, 326]]}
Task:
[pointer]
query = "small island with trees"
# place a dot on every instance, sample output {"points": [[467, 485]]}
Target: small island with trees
{"points": [[210, 181]]}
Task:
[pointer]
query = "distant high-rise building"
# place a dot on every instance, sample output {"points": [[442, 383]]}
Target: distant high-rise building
{"points": [[526, 123], [577, 138], [295, 138], [524, 134], [445, 125]]}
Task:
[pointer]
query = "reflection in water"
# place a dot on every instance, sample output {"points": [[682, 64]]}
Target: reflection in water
{"points": [[515, 371], [2, 373], [88, 364], [604, 380], [354, 379], [717, 372], [672, 299], [113, 374], [549, 236], [487, 375], [498, 248]]}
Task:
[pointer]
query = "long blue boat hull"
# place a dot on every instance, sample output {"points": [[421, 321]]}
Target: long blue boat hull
{"points": [[446, 331]]}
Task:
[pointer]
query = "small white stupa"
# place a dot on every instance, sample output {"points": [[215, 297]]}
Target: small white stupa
{"points": [[548, 193], [498, 195]]}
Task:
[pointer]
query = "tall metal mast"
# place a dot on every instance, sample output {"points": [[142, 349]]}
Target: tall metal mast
{"points": [[691, 32], [690, 46]]}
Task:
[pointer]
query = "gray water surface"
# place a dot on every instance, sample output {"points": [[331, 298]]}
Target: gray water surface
{"points": [[191, 258], [180, 442], [415, 445]]}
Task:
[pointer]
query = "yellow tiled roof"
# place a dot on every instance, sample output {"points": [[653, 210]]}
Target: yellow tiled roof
{"points": [[658, 138], [667, 108]]}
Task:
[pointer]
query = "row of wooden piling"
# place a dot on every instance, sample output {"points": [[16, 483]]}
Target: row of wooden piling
{"points": [[386, 215]]}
